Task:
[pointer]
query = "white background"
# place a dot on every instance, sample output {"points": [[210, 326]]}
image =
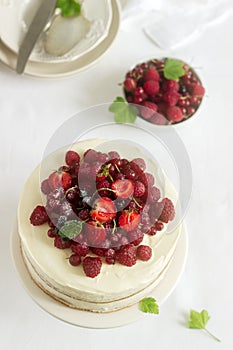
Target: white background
{"points": [[31, 109]]}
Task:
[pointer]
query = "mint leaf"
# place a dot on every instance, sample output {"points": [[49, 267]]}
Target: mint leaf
{"points": [[124, 112], [173, 69], [149, 305], [70, 229], [198, 320], [69, 7]]}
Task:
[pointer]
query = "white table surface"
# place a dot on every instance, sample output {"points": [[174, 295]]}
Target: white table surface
{"points": [[31, 109]]}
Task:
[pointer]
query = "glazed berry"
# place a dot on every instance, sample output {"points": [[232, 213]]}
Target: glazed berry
{"points": [[152, 74], [129, 220], [174, 114], [51, 233], [39, 216], [135, 237], [75, 260], [126, 255], [92, 266], [144, 252], [129, 84], [191, 110], [152, 231], [150, 179], [60, 179], [72, 195], [123, 189], [151, 87], [102, 187], [104, 210], [110, 261], [72, 158], [168, 211], [139, 189]]}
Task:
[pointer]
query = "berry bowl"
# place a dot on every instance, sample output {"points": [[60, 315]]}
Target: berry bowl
{"points": [[165, 91]]}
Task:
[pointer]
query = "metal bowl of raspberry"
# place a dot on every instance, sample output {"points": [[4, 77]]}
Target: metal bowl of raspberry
{"points": [[165, 91]]}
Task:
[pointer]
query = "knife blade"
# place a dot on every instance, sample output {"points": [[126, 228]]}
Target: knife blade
{"points": [[36, 27]]}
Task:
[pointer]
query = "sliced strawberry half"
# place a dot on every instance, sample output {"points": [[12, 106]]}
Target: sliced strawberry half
{"points": [[104, 210], [60, 179], [95, 233], [123, 188], [129, 220]]}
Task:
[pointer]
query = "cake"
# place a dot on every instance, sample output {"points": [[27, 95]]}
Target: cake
{"points": [[117, 282]]}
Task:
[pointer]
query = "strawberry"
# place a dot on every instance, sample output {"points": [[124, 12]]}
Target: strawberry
{"points": [[104, 210], [95, 233], [123, 188], [60, 179], [129, 220]]}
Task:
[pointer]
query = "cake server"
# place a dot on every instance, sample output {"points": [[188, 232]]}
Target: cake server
{"points": [[36, 27]]}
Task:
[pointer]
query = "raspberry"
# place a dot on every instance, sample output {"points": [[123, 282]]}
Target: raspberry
{"points": [[140, 162], [144, 252], [151, 87], [139, 189], [174, 113], [92, 266], [136, 237], [150, 179], [170, 85], [103, 184], [114, 155], [152, 74], [154, 194], [72, 158], [168, 212], [126, 255], [75, 260], [39, 216], [45, 188], [149, 110], [171, 98], [129, 84], [60, 244], [198, 90], [79, 249]]}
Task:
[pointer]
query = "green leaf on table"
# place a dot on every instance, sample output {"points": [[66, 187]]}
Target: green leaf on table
{"points": [[173, 69], [69, 7], [149, 305], [198, 320], [70, 229], [124, 112]]}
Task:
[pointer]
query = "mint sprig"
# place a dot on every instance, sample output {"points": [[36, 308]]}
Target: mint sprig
{"points": [[123, 112], [173, 69], [69, 7], [198, 320], [70, 229], [149, 305]]}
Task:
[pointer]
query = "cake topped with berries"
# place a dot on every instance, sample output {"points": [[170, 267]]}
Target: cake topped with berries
{"points": [[93, 232]]}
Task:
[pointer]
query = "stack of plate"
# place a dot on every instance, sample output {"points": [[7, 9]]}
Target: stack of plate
{"points": [[103, 18]]}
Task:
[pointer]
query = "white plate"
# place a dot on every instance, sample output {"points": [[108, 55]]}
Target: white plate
{"points": [[16, 15], [54, 70], [93, 320]]}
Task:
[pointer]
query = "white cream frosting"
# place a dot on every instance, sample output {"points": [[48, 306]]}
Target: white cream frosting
{"points": [[117, 285]]}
